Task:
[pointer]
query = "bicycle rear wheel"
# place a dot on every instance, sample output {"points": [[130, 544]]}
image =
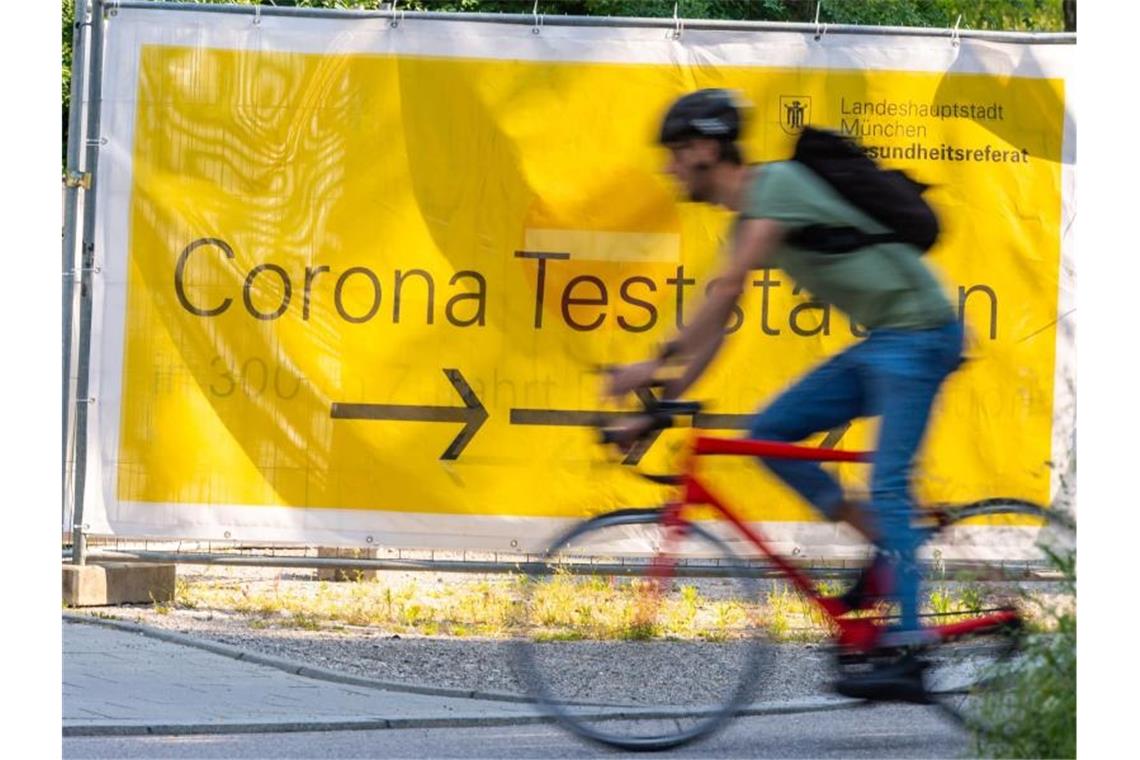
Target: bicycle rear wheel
{"points": [[1022, 569], [639, 636]]}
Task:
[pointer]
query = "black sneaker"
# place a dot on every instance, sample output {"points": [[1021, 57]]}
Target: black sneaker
{"points": [[872, 584], [884, 675]]}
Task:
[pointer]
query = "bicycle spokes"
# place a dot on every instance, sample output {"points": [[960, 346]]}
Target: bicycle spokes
{"points": [[647, 651]]}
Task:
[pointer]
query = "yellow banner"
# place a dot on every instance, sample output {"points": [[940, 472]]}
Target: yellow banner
{"points": [[380, 282]]}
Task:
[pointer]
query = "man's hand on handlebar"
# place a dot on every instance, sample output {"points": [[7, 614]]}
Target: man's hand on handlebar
{"points": [[659, 412], [628, 432]]}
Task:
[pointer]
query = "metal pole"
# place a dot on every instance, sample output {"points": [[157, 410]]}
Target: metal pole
{"points": [[87, 269], [553, 19], [981, 570], [74, 179]]}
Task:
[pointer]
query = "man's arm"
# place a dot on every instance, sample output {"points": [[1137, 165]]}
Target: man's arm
{"points": [[700, 340]]}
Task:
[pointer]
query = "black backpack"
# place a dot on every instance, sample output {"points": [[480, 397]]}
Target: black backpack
{"points": [[888, 196]]}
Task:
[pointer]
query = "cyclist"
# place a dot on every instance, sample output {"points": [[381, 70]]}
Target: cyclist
{"points": [[914, 343]]}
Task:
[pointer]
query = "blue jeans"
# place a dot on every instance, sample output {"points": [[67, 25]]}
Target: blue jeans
{"points": [[894, 375]]}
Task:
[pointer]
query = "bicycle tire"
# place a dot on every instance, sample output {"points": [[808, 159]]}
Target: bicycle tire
{"points": [[660, 709], [975, 679]]}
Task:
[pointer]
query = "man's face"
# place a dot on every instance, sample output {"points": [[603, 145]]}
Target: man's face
{"points": [[691, 162]]}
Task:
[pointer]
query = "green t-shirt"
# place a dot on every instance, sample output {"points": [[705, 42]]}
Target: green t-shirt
{"points": [[880, 286]]}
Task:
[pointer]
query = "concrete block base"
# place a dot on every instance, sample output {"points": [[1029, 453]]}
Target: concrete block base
{"points": [[106, 583], [345, 573]]}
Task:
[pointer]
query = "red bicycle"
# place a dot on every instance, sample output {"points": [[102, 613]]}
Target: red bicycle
{"points": [[646, 628]]}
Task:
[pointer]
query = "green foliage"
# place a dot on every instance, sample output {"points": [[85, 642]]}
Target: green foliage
{"points": [[1040, 700], [68, 26], [1009, 15]]}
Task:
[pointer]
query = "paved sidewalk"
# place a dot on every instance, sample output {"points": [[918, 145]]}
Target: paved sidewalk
{"points": [[121, 678], [119, 682]]}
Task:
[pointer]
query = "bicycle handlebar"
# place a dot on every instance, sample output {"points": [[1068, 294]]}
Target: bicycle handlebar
{"points": [[661, 413]]}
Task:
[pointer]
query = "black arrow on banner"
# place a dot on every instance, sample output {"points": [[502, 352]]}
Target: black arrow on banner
{"points": [[472, 413], [600, 419], [571, 418], [703, 420]]}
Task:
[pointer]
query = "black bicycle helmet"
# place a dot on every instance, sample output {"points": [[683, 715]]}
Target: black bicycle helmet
{"points": [[714, 113]]}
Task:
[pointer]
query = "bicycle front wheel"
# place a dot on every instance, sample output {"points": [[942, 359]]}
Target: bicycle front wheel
{"points": [[995, 557], [639, 636]]}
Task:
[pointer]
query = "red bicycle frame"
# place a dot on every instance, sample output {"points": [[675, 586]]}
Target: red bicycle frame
{"points": [[854, 633]]}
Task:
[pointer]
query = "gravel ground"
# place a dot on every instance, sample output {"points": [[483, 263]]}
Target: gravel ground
{"points": [[678, 672], [673, 672]]}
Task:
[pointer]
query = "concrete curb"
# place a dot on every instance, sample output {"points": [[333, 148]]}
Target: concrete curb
{"points": [[270, 727], [378, 724], [815, 704]]}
